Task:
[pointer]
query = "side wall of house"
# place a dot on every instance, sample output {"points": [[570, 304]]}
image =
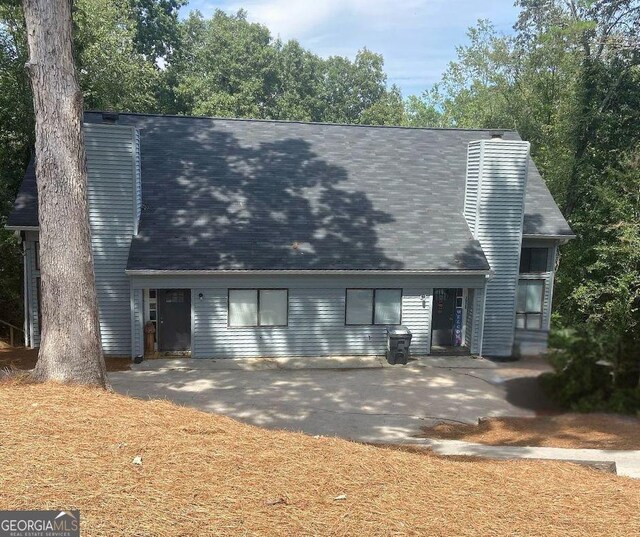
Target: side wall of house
{"points": [[316, 319], [477, 322], [468, 321], [32, 323], [112, 215]]}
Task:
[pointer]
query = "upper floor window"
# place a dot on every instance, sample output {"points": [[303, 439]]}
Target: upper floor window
{"points": [[529, 304], [373, 306], [36, 248], [258, 307], [533, 260]]}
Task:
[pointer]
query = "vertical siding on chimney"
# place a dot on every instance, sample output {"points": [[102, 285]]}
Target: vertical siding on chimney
{"points": [[472, 185], [497, 190]]}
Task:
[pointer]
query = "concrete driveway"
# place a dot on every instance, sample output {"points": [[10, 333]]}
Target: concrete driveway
{"points": [[361, 399]]}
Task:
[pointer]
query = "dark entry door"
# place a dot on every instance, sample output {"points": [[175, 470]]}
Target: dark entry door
{"points": [[174, 314], [444, 304]]}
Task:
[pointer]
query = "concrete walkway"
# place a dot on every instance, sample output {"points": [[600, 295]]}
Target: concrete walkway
{"points": [[361, 399], [627, 462]]}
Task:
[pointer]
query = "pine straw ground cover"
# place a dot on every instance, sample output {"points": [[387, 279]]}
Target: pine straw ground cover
{"points": [[24, 359], [595, 431], [203, 474]]}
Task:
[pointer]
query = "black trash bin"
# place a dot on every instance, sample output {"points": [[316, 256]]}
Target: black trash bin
{"points": [[398, 342]]}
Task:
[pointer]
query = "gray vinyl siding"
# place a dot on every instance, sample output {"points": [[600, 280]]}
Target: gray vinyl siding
{"points": [[32, 293], [316, 314], [111, 192], [548, 287], [498, 224], [477, 322], [416, 315], [531, 342], [472, 185], [468, 322], [316, 327]]}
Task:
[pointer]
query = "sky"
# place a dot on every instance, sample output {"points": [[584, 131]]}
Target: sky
{"points": [[416, 37]]}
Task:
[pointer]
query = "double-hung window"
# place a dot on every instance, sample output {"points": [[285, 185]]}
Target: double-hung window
{"points": [[530, 298], [258, 307], [529, 304], [373, 306]]}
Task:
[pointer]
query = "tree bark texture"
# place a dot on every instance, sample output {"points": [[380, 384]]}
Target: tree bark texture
{"points": [[70, 345]]}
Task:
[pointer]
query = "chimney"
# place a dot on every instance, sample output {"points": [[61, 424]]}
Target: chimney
{"points": [[494, 209]]}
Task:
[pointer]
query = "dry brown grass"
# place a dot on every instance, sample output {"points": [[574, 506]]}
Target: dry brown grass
{"points": [[596, 431], [202, 474], [24, 359]]}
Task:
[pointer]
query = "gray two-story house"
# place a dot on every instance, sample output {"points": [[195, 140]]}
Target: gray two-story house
{"points": [[237, 238]]}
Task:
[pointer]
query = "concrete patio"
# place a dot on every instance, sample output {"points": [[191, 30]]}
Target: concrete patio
{"points": [[363, 399]]}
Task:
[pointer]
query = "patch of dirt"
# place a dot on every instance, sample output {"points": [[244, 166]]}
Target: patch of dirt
{"points": [[595, 431], [24, 359], [135, 467]]}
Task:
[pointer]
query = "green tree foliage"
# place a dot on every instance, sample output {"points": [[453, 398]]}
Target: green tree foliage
{"points": [[569, 82], [114, 75], [227, 66], [156, 27], [298, 85], [351, 88], [224, 66], [16, 140]]}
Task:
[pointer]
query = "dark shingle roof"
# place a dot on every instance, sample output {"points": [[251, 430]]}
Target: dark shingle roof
{"points": [[224, 194], [25, 208]]}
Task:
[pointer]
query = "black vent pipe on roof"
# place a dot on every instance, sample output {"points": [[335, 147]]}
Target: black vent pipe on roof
{"points": [[496, 135], [110, 117]]}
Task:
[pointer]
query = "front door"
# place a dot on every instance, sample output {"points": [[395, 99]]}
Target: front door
{"points": [[442, 322], [174, 315]]}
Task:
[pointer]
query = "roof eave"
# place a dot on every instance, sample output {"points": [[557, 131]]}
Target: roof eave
{"points": [[186, 272], [562, 238], [22, 228]]}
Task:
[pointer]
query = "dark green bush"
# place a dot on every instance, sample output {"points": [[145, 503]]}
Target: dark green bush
{"points": [[593, 372]]}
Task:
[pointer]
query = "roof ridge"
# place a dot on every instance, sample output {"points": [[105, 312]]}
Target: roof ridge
{"points": [[299, 122]]}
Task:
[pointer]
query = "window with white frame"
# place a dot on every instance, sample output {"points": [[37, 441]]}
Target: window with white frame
{"points": [[258, 307], [529, 304], [373, 306]]}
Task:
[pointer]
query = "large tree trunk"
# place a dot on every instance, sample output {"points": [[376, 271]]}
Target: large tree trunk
{"points": [[70, 346]]}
